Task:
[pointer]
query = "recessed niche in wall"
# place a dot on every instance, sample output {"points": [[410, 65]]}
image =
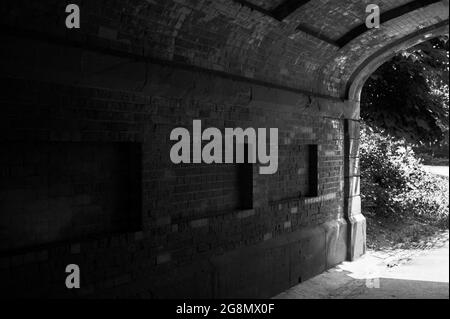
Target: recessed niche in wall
{"points": [[313, 171], [297, 175], [205, 189], [62, 191], [244, 182]]}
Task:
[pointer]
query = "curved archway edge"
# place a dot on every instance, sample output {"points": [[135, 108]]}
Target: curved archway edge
{"points": [[356, 222], [371, 64]]}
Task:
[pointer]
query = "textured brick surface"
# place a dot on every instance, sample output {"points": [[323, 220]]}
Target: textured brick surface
{"points": [[64, 191], [338, 71], [136, 70], [225, 36], [187, 217]]}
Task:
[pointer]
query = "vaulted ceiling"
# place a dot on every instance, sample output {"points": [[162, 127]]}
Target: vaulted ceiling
{"points": [[308, 45]]}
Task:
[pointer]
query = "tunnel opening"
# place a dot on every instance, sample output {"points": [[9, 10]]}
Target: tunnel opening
{"points": [[404, 119]]}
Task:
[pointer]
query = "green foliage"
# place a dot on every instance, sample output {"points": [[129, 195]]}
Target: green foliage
{"points": [[408, 96], [394, 184]]}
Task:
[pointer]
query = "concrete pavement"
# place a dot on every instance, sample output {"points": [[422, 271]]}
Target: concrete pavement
{"points": [[421, 275]]}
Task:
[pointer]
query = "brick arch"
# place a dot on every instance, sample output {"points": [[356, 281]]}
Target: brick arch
{"points": [[363, 72], [307, 46], [341, 74]]}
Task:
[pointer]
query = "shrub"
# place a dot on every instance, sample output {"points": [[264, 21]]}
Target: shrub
{"points": [[393, 183]]}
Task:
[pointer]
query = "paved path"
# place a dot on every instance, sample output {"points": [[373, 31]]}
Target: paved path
{"points": [[411, 275], [438, 170]]}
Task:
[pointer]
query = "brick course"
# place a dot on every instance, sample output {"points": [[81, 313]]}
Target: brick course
{"points": [[226, 36], [182, 225]]}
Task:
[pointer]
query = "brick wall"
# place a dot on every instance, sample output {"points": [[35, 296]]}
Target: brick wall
{"points": [[136, 70], [131, 74], [59, 191], [300, 51], [195, 240]]}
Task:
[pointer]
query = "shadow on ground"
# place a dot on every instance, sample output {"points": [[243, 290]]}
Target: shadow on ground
{"points": [[423, 275]]}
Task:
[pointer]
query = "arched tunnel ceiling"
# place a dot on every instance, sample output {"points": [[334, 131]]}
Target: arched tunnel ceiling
{"points": [[315, 17], [308, 45], [337, 72]]}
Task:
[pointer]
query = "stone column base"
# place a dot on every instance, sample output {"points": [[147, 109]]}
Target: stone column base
{"points": [[356, 246]]}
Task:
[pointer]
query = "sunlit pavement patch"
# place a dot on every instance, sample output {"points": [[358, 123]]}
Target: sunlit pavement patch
{"points": [[400, 274]]}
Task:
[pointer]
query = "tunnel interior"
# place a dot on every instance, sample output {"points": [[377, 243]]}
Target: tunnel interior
{"points": [[86, 118]]}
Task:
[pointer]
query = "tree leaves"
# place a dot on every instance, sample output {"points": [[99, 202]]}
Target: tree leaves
{"points": [[394, 184], [408, 96]]}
